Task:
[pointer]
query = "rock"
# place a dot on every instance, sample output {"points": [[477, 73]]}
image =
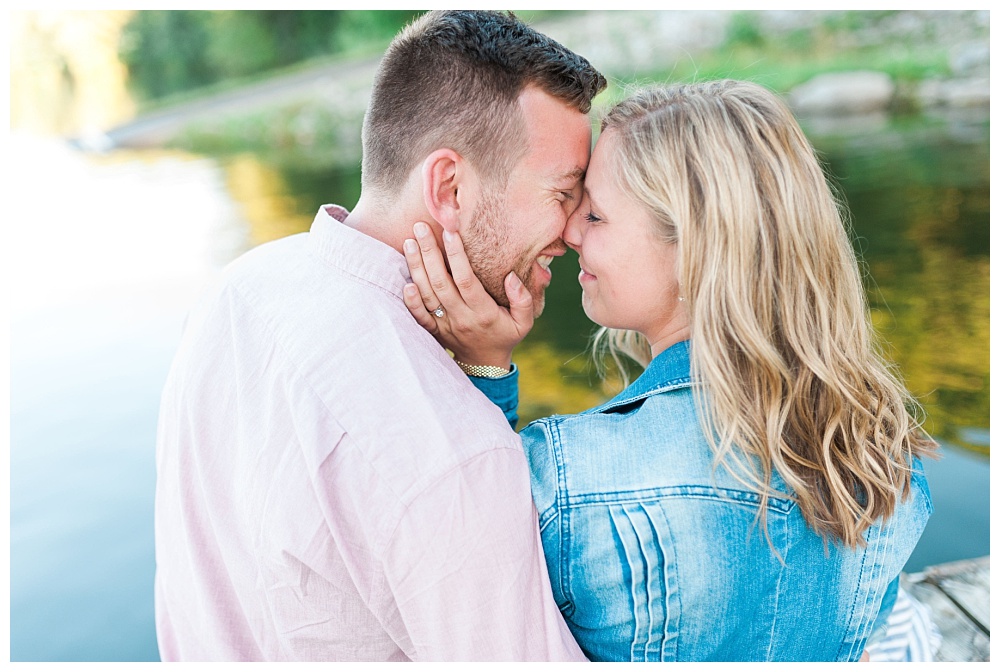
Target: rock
{"points": [[865, 124], [843, 92], [971, 58], [968, 92], [621, 43]]}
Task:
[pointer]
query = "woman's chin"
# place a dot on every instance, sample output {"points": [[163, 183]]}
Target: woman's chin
{"points": [[592, 315]]}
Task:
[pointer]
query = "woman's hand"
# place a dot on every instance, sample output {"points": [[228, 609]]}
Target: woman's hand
{"points": [[456, 308]]}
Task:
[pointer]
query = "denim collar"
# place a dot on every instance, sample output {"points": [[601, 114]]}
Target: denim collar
{"points": [[669, 370]]}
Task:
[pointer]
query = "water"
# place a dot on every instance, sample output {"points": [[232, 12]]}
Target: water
{"points": [[102, 279], [103, 273]]}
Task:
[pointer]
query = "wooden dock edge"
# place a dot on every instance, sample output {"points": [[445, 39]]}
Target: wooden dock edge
{"points": [[958, 595]]}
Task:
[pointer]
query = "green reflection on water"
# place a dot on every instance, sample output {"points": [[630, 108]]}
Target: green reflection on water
{"points": [[919, 197], [918, 193]]}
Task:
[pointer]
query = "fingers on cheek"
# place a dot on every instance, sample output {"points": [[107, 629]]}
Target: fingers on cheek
{"points": [[428, 246], [415, 303], [412, 253], [452, 241], [411, 297]]}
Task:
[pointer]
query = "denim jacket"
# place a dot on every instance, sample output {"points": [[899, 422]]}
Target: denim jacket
{"points": [[654, 554]]}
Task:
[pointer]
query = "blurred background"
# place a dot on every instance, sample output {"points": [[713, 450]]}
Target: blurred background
{"points": [[166, 143]]}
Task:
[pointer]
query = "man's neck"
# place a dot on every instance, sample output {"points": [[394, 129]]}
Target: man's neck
{"points": [[390, 223]]}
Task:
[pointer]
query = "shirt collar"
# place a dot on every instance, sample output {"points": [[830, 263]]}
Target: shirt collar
{"points": [[669, 370], [355, 253]]}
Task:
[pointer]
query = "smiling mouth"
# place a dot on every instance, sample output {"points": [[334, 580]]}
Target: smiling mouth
{"points": [[556, 249]]}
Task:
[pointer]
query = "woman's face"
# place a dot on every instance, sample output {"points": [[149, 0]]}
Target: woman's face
{"points": [[628, 273]]}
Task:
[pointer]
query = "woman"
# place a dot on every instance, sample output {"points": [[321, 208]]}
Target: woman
{"points": [[755, 493]]}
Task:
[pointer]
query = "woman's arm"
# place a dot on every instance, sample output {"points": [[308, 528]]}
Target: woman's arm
{"points": [[502, 392]]}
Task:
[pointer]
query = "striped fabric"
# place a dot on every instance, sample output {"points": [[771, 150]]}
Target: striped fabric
{"points": [[910, 634]]}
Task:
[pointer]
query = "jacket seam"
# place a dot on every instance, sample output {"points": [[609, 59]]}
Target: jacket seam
{"points": [[562, 513], [740, 497], [777, 588]]}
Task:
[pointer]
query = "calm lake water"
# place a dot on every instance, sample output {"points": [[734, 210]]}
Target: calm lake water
{"points": [[101, 281]]}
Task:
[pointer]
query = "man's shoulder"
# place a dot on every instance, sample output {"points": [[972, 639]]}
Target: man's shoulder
{"points": [[266, 256], [406, 407], [355, 358], [413, 403], [254, 275], [413, 432]]}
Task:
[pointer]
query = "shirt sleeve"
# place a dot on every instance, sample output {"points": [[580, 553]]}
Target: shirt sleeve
{"points": [[467, 574], [502, 392]]}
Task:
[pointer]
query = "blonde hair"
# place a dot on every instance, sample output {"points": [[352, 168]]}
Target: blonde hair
{"points": [[783, 351]]}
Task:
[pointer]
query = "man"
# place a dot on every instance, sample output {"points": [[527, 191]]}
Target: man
{"points": [[330, 486]]}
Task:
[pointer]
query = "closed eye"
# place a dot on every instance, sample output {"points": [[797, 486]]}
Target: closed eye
{"points": [[591, 217]]}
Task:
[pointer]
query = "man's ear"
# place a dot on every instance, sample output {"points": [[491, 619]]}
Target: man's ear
{"points": [[446, 181]]}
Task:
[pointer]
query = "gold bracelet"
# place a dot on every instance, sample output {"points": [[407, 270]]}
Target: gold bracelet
{"points": [[482, 371]]}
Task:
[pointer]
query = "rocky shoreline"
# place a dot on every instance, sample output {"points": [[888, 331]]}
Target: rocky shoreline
{"points": [[325, 104], [620, 43]]}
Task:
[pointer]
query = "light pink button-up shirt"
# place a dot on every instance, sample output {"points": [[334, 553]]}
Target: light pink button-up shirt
{"points": [[330, 486]]}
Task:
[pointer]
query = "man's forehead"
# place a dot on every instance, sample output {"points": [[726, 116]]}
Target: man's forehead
{"points": [[559, 140]]}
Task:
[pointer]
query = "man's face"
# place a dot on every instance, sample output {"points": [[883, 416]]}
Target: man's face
{"points": [[519, 229]]}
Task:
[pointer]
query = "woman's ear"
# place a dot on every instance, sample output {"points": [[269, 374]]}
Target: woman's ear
{"points": [[445, 180]]}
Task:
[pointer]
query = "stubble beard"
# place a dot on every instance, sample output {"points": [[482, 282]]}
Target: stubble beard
{"points": [[488, 247]]}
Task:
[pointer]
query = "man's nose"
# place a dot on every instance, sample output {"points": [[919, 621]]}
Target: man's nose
{"points": [[571, 232]]}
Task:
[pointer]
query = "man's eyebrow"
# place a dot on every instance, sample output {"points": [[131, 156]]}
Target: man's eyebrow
{"points": [[575, 174]]}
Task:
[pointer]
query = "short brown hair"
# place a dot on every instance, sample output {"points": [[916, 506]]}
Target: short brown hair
{"points": [[452, 79]]}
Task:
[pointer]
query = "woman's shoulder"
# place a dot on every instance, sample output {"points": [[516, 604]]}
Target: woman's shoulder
{"points": [[649, 442], [670, 408]]}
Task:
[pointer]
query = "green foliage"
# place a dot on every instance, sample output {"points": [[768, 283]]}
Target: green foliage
{"points": [[856, 20], [744, 30], [167, 52], [782, 66], [297, 134], [164, 52], [841, 41], [360, 30]]}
